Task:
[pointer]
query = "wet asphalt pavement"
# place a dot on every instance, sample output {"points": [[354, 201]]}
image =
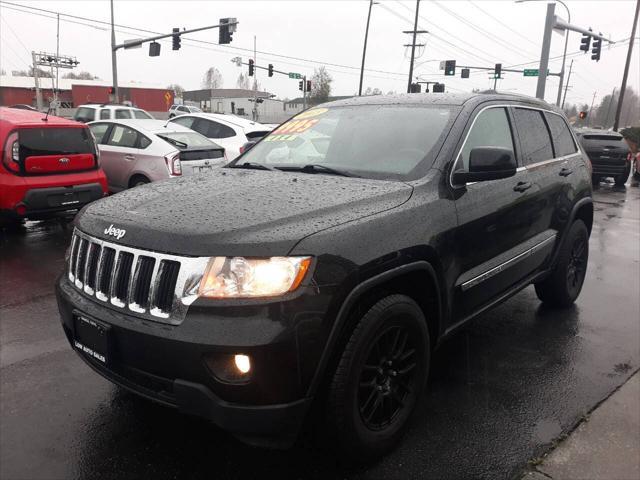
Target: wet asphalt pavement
{"points": [[500, 391]]}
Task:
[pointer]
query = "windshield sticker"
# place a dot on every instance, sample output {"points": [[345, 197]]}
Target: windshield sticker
{"points": [[296, 126], [314, 112]]}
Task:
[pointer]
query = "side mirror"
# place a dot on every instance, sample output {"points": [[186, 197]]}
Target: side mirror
{"points": [[487, 163]]}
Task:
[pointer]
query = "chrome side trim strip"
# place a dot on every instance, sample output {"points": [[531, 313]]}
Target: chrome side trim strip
{"points": [[503, 266]]}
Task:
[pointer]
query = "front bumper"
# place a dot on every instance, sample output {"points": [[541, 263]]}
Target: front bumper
{"points": [[166, 364]]}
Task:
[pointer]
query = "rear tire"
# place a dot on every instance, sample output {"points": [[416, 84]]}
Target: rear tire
{"points": [[380, 377], [563, 285], [622, 178], [138, 180]]}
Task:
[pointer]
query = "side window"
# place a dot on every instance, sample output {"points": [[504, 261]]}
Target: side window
{"points": [[122, 136], [143, 142], [123, 113], [184, 121], [534, 136], [105, 114], [85, 114], [99, 130], [218, 130], [203, 127], [183, 109], [490, 129], [562, 140]]}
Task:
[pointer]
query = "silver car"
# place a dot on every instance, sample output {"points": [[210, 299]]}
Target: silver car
{"points": [[134, 152]]}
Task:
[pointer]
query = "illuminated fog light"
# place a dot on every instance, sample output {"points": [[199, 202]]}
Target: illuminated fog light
{"points": [[243, 363]]}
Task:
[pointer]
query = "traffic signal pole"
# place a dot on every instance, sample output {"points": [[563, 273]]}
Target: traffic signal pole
{"points": [[413, 47], [114, 60], [544, 54]]}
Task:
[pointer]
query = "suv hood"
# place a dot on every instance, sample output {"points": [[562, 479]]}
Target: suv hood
{"points": [[237, 212]]}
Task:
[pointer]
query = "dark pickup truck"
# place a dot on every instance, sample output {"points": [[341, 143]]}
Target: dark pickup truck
{"points": [[325, 264]]}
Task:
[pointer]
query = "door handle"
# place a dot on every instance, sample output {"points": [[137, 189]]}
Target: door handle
{"points": [[522, 186], [565, 172], [129, 157]]}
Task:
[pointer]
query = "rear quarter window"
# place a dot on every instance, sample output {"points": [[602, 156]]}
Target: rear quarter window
{"points": [[85, 114], [123, 113], [562, 138]]}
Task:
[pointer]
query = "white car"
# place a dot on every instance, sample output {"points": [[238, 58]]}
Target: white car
{"points": [[176, 110], [134, 152], [108, 111], [228, 131]]}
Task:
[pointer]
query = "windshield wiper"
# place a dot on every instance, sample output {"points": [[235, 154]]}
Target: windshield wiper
{"points": [[251, 165], [175, 142], [317, 168]]}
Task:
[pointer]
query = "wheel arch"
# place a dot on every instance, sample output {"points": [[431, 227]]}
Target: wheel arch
{"points": [[404, 279]]}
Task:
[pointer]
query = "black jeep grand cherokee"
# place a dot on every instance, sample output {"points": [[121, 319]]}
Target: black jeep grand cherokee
{"points": [[329, 261]]}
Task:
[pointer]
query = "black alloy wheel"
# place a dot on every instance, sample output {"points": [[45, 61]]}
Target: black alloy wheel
{"points": [[387, 378]]}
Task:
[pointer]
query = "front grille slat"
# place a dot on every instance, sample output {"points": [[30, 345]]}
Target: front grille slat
{"points": [[152, 285]]}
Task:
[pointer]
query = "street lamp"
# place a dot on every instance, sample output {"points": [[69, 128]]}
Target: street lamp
{"points": [[566, 42]]}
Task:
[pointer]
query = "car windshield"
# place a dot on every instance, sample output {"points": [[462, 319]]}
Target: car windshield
{"points": [[142, 115], [372, 141], [187, 140]]}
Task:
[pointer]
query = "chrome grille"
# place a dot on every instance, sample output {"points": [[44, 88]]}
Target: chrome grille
{"points": [[151, 285]]}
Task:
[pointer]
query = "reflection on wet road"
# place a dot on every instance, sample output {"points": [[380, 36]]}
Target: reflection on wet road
{"points": [[499, 393]]}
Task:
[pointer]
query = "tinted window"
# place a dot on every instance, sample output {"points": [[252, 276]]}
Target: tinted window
{"points": [[374, 141], [85, 114], [212, 129], [142, 114], [562, 139], [54, 141], [606, 138], [184, 121], [183, 109], [490, 129], [257, 135], [123, 113], [105, 114], [98, 130], [122, 136], [534, 136], [143, 142]]}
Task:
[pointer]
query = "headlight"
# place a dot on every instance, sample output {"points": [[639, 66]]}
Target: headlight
{"points": [[239, 277]]}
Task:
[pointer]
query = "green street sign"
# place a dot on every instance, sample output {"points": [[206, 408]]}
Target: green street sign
{"points": [[294, 75], [531, 72]]}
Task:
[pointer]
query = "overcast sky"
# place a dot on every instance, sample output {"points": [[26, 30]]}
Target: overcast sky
{"points": [[329, 32]]}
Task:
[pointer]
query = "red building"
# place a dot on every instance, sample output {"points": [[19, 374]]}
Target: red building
{"points": [[73, 93]]}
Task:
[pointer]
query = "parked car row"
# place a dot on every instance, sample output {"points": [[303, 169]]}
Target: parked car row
{"points": [[608, 153], [52, 165]]}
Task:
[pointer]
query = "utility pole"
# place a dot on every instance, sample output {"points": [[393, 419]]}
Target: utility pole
{"points": [[623, 87], [37, 80], [566, 87], [613, 95], [591, 108], [364, 48], [255, 84], [413, 46], [114, 62], [304, 92], [55, 93]]}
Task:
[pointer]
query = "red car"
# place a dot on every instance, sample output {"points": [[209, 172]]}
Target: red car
{"points": [[49, 165]]}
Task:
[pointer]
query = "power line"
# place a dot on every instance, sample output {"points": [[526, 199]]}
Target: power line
{"points": [[272, 54], [512, 30], [15, 35]]}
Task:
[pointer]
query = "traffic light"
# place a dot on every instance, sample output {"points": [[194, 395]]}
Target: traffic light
{"points": [[450, 67], [300, 85], [225, 31], [582, 115], [585, 42], [176, 39], [154, 49], [438, 88], [250, 67], [498, 70], [111, 90], [597, 48], [465, 72], [270, 70], [308, 85]]}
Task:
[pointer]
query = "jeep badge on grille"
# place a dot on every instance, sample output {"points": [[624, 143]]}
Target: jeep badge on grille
{"points": [[115, 232]]}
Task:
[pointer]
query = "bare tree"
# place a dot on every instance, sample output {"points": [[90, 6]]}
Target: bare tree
{"points": [[243, 81], [30, 73], [320, 85], [80, 76], [212, 78], [177, 89]]}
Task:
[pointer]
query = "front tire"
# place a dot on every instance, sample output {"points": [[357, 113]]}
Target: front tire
{"points": [[380, 376], [563, 285], [621, 179]]}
